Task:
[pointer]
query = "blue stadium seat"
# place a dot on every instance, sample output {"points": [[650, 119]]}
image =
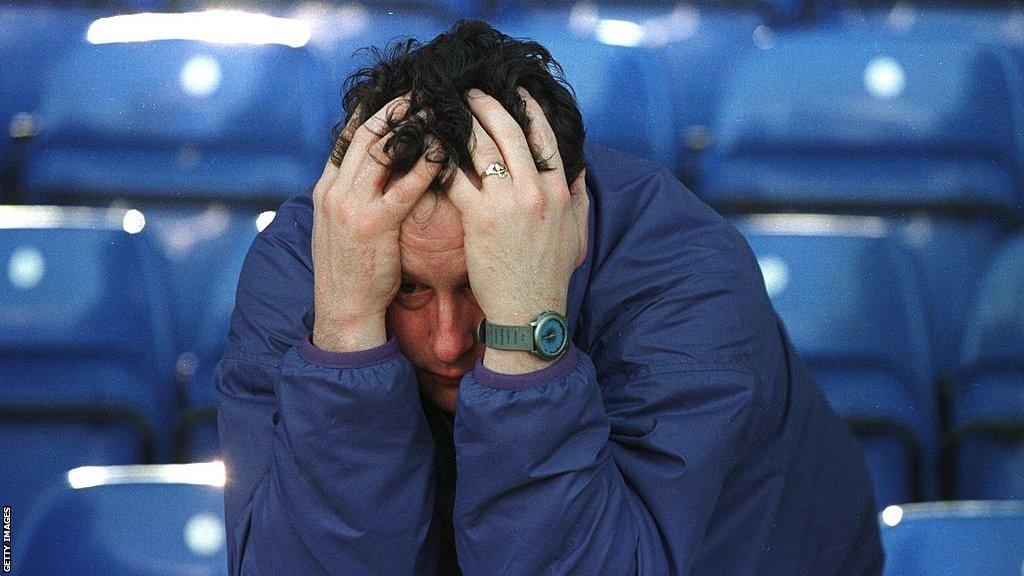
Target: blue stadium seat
{"points": [[205, 248], [849, 298], [954, 539], [648, 75], [202, 138], [621, 86], [860, 121], [449, 10], [987, 395], [180, 120], [129, 521], [986, 22], [85, 345], [34, 39]]}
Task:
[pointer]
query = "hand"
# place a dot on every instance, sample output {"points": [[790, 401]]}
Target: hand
{"points": [[525, 233], [356, 259]]}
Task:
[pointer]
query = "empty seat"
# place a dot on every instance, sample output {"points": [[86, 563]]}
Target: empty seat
{"points": [[129, 521], [182, 119], [860, 121], [205, 250], [85, 345], [34, 39], [200, 137], [849, 297], [620, 84], [987, 395], [954, 539]]}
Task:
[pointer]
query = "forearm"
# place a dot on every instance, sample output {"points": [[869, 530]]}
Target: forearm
{"points": [[349, 489], [538, 491]]}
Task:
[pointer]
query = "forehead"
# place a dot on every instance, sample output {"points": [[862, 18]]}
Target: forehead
{"points": [[431, 240]]}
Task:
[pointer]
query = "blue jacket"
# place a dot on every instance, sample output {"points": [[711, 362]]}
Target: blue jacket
{"points": [[680, 434]]}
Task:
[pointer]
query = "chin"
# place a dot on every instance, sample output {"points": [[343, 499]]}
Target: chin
{"points": [[442, 392], [444, 397]]}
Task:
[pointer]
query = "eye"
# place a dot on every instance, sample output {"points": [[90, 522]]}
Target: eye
{"points": [[408, 288]]}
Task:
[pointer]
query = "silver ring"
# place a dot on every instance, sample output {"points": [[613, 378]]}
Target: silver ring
{"points": [[495, 169]]}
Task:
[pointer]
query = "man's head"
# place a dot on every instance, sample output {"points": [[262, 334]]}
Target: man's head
{"points": [[437, 76], [435, 315]]}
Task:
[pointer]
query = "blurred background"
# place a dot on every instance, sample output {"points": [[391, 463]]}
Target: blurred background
{"points": [[871, 152]]}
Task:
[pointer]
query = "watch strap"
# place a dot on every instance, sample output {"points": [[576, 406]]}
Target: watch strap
{"points": [[507, 337]]}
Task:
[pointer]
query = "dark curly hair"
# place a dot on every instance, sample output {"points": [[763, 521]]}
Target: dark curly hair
{"points": [[438, 74]]}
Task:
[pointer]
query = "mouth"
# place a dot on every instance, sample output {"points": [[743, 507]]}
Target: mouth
{"points": [[446, 379]]}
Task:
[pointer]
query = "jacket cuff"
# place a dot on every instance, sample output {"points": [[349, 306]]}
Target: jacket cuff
{"points": [[556, 370], [359, 359]]}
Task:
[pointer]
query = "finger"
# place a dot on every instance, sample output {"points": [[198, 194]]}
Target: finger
{"points": [[378, 152], [580, 203], [345, 137], [326, 180], [403, 193], [485, 152], [369, 132], [375, 170], [504, 131], [463, 192], [543, 145]]}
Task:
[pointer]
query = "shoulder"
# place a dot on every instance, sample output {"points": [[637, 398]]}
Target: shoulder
{"points": [[275, 287], [672, 282]]}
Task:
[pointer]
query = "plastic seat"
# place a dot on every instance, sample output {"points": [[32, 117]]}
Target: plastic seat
{"points": [[180, 120], [849, 298], [953, 539], [35, 37], [129, 521], [85, 345], [205, 249], [621, 89], [858, 121], [987, 395], [202, 138]]}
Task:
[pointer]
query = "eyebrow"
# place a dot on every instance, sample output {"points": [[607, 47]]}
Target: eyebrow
{"points": [[413, 277]]}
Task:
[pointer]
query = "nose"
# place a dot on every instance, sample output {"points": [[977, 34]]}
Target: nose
{"points": [[455, 332]]}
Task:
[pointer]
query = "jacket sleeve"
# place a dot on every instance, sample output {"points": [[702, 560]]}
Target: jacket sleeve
{"points": [[550, 484], [329, 457], [612, 460]]}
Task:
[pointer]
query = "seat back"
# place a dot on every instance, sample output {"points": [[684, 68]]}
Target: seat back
{"points": [[858, 121], [182, 119], [953, 538], [987, 394], [85, 343], [849, 297], [130, 521], [620, 84], [34, 39]]}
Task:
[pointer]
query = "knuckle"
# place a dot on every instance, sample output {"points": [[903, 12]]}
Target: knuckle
{"points": [[536, 204], [488, 221], [365, 226]]}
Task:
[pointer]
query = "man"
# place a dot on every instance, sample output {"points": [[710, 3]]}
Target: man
{"points": [[653, 420]]}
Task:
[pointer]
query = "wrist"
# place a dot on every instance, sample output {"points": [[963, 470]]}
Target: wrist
{"points": [[523, 315], [349, 335], [513, 361]]}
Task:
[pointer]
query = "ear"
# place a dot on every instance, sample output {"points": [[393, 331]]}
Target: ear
{"points": [[581, 211]]}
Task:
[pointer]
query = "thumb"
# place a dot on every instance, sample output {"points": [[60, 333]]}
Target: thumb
{"points": [[463, 193], [580, 202]]}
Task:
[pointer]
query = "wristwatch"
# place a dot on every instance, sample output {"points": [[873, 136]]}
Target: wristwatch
{"points": [[547, 335]]}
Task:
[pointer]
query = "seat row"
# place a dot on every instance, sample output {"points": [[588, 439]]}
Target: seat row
{"points": [[156, 520], [107, 345], [916, 114]]}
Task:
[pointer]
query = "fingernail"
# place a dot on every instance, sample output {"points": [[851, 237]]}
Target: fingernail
{"points": [[474, 93], [523, 93]]}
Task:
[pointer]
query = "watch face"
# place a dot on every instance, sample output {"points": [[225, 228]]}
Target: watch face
{"points": [[551, 337]]}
